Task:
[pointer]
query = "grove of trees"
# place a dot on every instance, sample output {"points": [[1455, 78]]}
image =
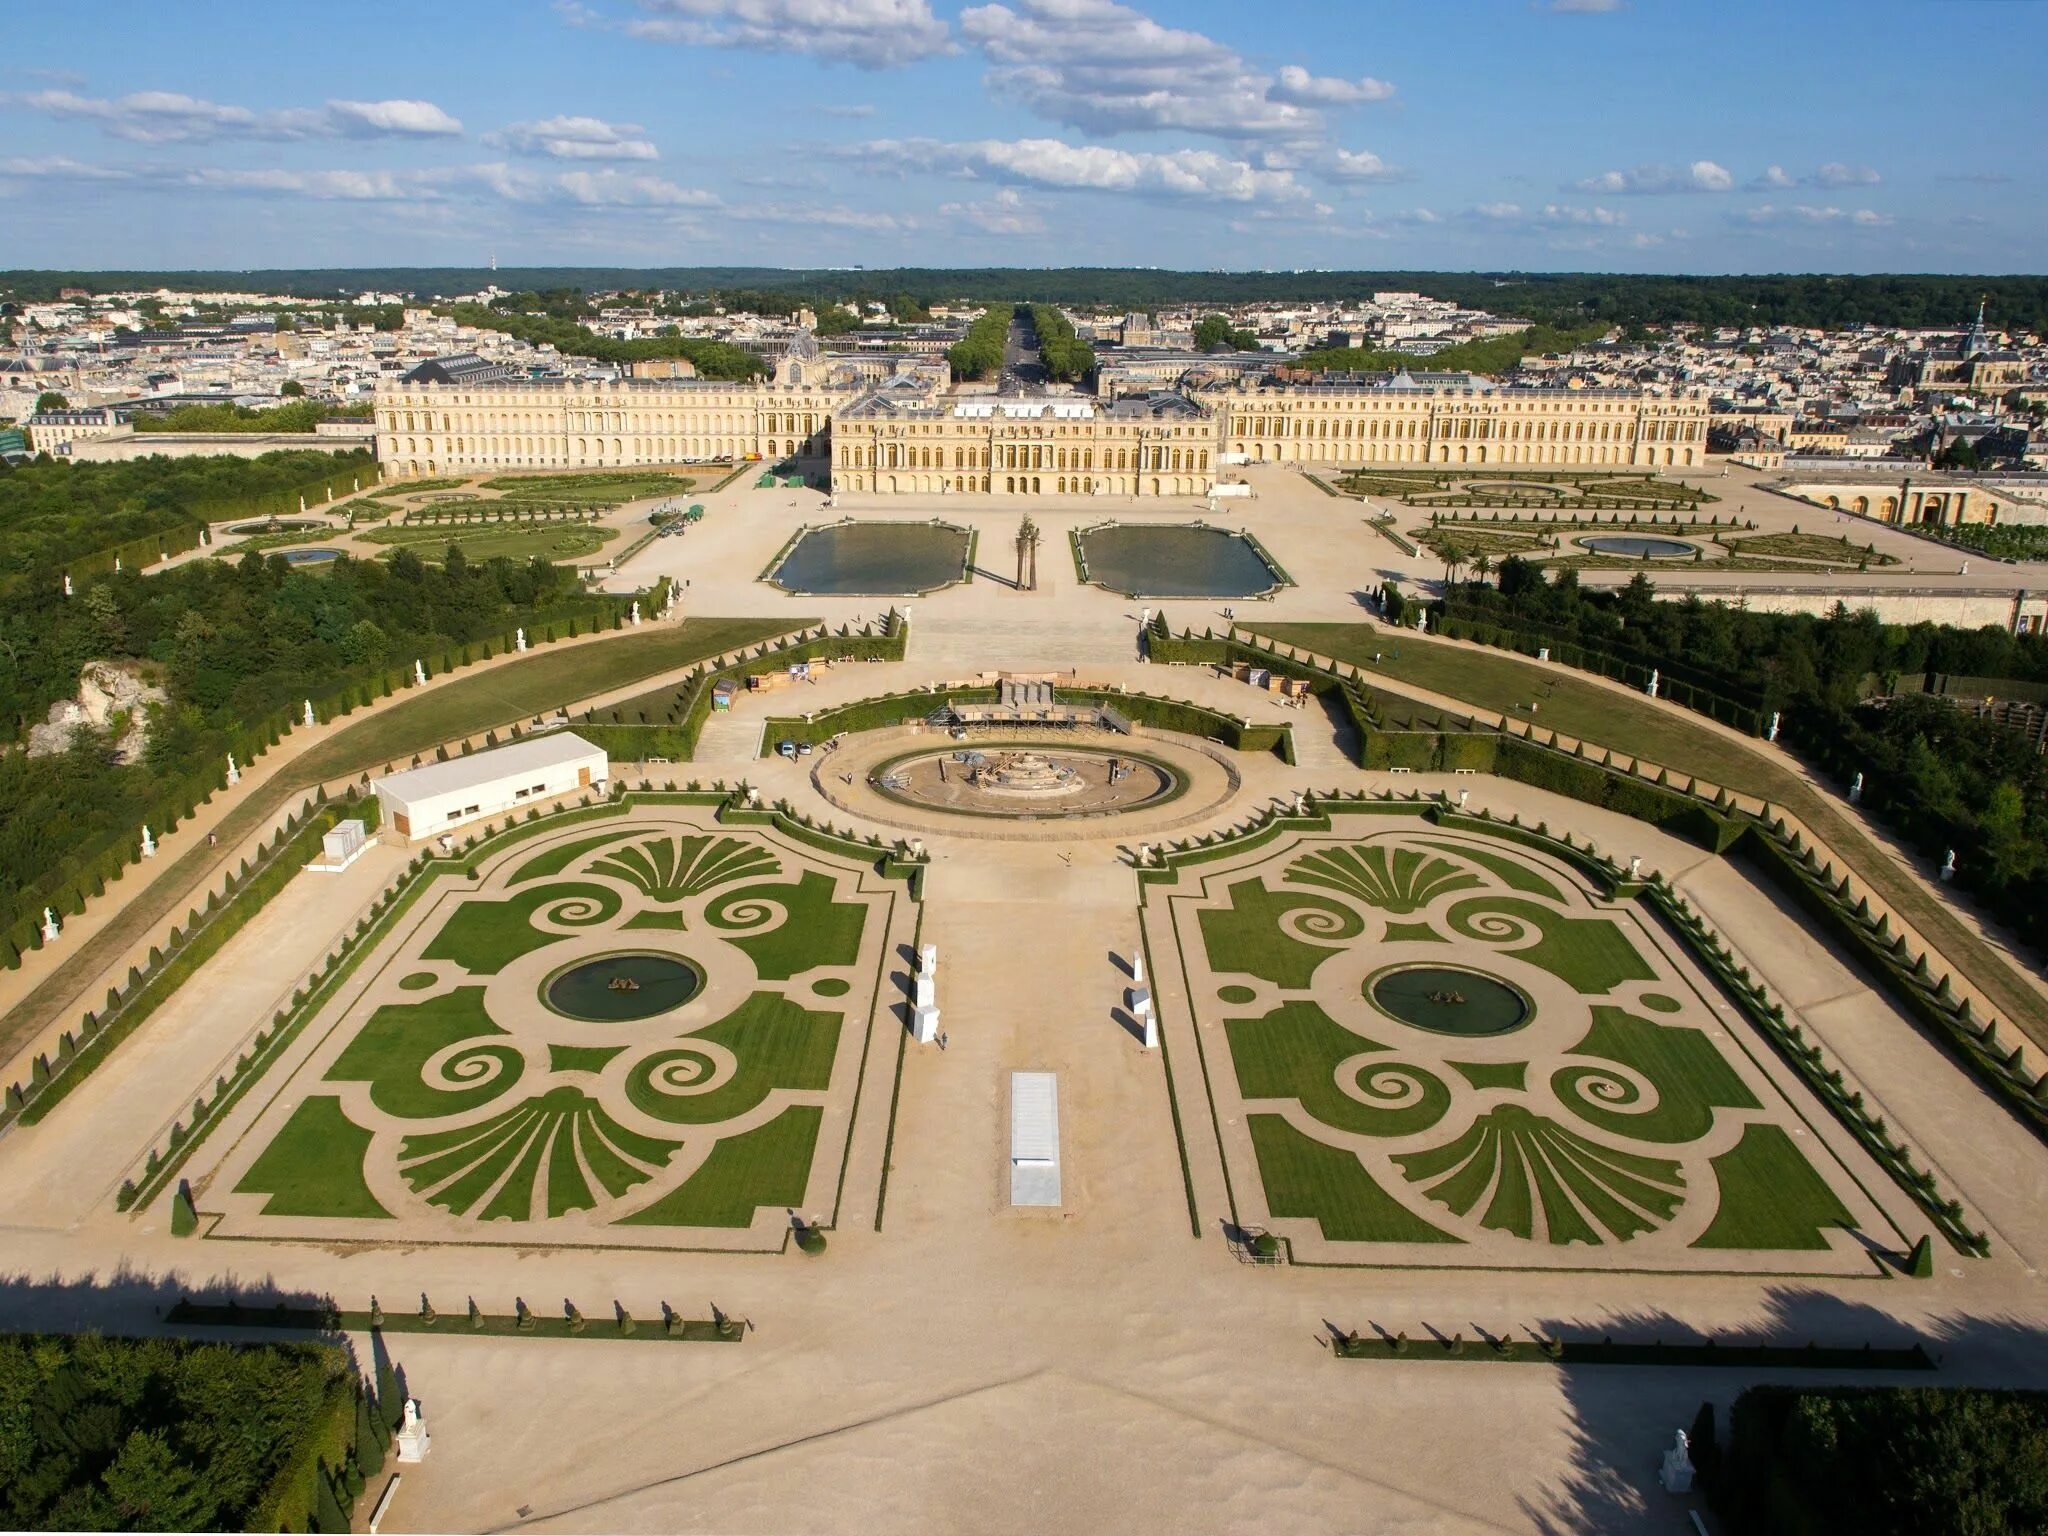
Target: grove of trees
{"points": [[53, 514], [712, 359], [1851, 695], [1066, 357], [979, 354], [117, 1434], [2015, 301], [1880, 1461]]}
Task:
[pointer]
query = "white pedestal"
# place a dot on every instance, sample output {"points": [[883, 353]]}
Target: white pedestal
{"points": [[413, 1440], [1138, 966], [927, 992], [928, 960], [924, 1024]]}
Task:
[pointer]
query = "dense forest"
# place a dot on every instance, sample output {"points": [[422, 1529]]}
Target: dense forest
{"points": [[53, 514], [1488, 354], [110, 1434], [234, 644], [1880, 1461], [712, 359], [1849, 692], [1568, 299], [298, 416]]}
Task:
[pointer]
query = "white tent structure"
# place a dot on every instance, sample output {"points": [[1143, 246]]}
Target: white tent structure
{"points": [[1034, 1138], [425, 802]]}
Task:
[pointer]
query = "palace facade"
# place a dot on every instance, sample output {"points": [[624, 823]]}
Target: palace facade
{"points": [[436, 429], [908, 435]]}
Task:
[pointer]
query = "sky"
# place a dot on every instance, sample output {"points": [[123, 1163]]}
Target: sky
{"points": [[1612, 135]]}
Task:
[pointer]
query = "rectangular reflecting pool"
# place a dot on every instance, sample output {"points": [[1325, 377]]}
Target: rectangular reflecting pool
{"points": [[874, 559], [1178, 560]]}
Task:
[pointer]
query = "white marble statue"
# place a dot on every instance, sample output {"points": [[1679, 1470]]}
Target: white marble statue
{"points": [[308, 716], [634, 616], [1772, 733], [519, 639], [1676, 1473], [234, 773], [1856, 791], [419, 672], [52, 929], [413, 1440], [1652, 689], [148, 842]]}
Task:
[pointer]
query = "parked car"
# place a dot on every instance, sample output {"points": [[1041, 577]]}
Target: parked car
{"points": [[786, 748]]}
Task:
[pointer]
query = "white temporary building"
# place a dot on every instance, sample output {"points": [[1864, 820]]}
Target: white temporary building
{"points": [[425, 802], [1034, 1138]]}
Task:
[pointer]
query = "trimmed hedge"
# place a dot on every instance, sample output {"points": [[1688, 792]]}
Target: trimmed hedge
{"points": [[191, 947]]}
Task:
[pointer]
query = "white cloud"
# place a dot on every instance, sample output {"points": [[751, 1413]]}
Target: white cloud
{"points": [[1833, 174], [1553, 214], [1362, 165], [874, 34], [856, 109], [1298, 85], [868, 219], [1810, 213], [321, 186], [170, 117], [1198, 173], [1004, 214], [381, 119], [577, 138], [1104, 67], [60, 167], [1654, 180], [590, 189]]}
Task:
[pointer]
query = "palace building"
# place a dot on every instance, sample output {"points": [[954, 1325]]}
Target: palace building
{"points": [[909, 435]]}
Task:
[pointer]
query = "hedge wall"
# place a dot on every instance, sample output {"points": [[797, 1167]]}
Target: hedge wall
{"points": [[201, 937]]}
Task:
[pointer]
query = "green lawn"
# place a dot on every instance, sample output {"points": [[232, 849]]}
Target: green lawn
{"points": [[776, 1043], [1770, 1196], [314, 1166], [483, 937], [770, 1166], [505, 693], [1305, 1177], [563, 543], [1687, 1069], [1665, 734], [391, 1050], [818, 930], [1293, 1053], [1246, 936]]}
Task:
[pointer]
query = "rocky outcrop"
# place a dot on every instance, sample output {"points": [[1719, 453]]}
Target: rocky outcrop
{"points": [[107, 691]]}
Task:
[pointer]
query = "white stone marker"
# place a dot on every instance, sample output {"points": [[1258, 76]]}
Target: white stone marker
{"points": [[413, 1440], [928, 960], [1147, 1020], [1138, 966]]}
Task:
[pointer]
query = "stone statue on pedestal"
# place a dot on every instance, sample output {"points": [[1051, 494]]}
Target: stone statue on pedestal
{"points": [[1677, 1472]]}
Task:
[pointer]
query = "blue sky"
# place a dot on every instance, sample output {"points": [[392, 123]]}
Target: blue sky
{"points": [[1634, 135]]}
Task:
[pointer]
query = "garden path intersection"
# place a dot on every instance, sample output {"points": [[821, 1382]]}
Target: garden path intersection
{"points": [[1470, 1085]]}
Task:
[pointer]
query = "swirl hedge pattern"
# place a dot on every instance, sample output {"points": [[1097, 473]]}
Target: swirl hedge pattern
{"points": [[446, 1096], [1618, 1117]]}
